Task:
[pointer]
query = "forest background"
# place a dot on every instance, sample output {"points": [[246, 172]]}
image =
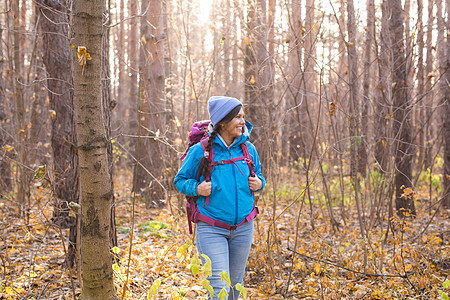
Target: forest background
{"points": [[350, 103]]}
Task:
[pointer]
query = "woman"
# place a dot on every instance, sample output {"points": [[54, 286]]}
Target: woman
{"points": [[227, 198]]}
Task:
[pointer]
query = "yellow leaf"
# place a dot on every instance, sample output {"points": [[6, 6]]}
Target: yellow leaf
{"points": [[224, 277], [246, 41], [39, 173], [83, 55], [32, 274], [177, 122], [7, 148], [252, 80], [317, 268], [52, 113], [223, 294], [207, 286], [241, 289]]}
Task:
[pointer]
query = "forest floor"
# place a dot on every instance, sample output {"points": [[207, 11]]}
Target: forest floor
{"points": [[411, 260]]}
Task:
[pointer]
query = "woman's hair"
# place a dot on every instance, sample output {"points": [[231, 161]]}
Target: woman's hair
{"points": [[230, 115], [204, 166]]}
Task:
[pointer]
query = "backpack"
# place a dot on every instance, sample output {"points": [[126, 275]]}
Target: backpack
{"points": [[199, 134]]}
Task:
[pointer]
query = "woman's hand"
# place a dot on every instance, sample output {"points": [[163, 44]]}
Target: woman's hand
{"points": [[204, 188], [254, 183]]}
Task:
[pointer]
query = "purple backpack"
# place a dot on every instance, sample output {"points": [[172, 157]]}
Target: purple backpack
{"points": [[199, 133]]}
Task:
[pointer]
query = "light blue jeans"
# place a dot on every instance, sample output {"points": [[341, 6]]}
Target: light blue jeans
{"points": [[228, 251]]}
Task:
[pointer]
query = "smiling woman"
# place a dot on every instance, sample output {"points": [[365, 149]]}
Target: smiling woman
{"points": [[224, 176]]}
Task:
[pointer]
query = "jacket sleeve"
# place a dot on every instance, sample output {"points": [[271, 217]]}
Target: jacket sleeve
{"points": [[255, 158], [186, 178]]}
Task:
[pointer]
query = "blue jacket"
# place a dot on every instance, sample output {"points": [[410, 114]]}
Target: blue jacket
{"points": [[231, 199]]}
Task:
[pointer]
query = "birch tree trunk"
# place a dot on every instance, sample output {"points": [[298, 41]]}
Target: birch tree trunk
{"points": [[95, 178]]}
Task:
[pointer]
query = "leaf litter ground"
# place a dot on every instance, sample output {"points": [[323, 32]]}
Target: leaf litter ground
{"points": [[32, 256]]}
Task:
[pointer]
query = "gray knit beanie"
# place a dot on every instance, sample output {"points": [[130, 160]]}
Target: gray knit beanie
{"points": [[220, 106]]}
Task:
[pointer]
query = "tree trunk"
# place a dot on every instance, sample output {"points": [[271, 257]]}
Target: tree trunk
{"points": [[108, 106], [420, 111], [444, 70], [309, 79], [353, 104], [133, 102], [19, 107], [383, 91], [152, 110], [296, 117], [121, 54], [365, 103], [58, 64], [429, 91], [401, 105], [235, 82], [95, 177], [5, 165], [257, 76]]}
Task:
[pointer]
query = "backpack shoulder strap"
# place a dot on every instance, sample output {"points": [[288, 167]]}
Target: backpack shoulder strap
{"points": [[248, 159], [209, 156]]}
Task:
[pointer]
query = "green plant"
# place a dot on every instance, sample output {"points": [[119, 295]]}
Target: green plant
{"points": [[117, 151], [205, 271], [445, 285]]}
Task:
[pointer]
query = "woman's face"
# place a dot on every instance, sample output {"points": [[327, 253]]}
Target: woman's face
{"points": [[233, 128]]}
